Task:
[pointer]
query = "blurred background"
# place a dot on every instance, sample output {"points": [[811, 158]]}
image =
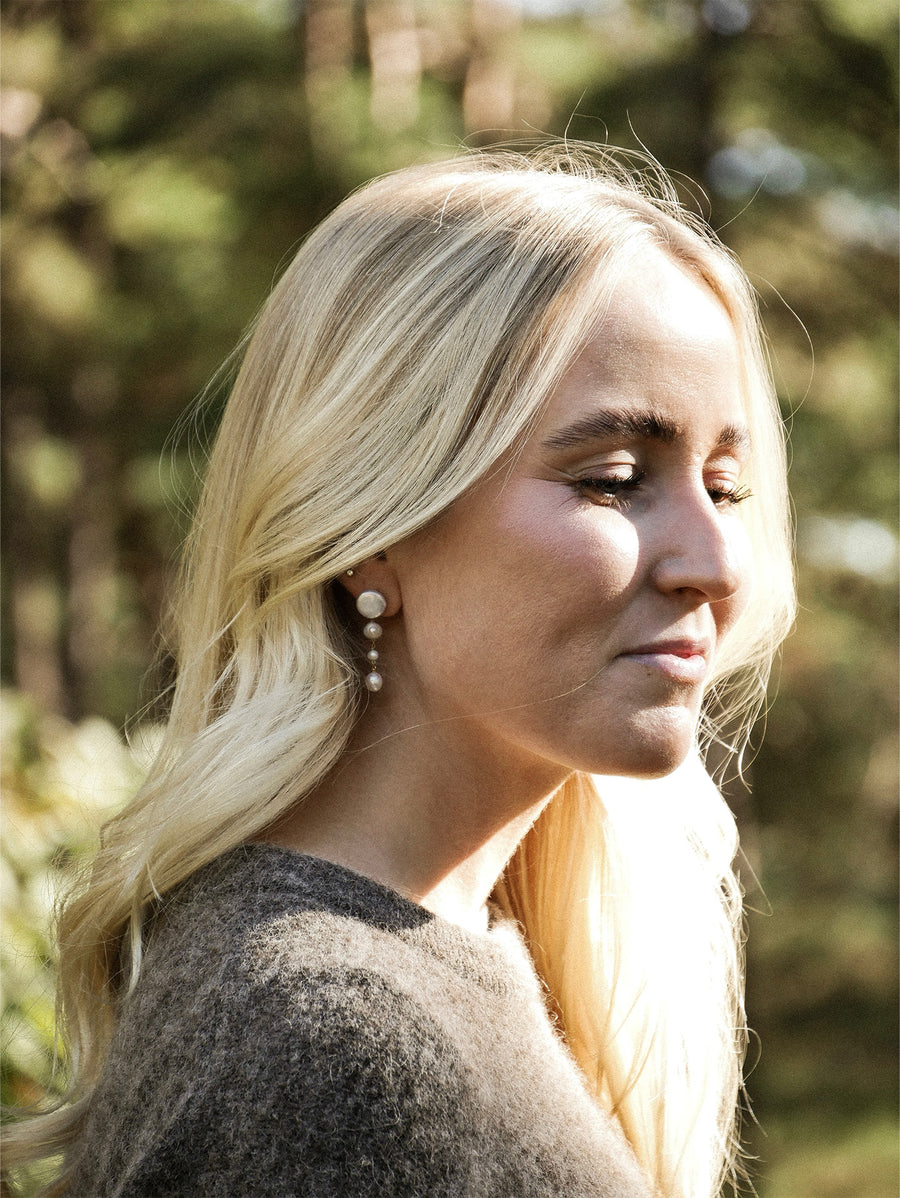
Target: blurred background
{"points": [[160, 161]]}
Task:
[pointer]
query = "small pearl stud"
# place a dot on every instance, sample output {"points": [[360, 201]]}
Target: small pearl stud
{"points": [[371, 604]]}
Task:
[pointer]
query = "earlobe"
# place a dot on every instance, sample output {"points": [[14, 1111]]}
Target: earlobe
{"points": [[374, 574]]}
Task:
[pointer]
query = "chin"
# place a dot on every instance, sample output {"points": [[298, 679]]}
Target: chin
{"points": [[655, 764], [652, 750]]}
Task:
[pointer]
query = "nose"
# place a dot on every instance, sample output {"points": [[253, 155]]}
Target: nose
{"points": [[702, 548]]}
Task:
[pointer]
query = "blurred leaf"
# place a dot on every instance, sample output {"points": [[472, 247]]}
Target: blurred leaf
{"points": [[57, 283], [159, 198]]}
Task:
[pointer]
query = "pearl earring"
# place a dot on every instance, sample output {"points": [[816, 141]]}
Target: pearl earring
{"points": [[372, 604]]}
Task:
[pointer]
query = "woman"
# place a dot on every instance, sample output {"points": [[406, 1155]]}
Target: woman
{"points": [[494, 540]]}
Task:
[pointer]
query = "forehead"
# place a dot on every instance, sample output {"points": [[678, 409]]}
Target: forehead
{"points": [[660, 299], [665, 341]]}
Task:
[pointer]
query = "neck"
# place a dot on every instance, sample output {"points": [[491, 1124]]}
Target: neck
{"points": [[413, 812]]}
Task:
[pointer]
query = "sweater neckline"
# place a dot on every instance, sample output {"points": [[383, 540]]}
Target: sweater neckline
{"points": [[360, 887], [484, 958]]}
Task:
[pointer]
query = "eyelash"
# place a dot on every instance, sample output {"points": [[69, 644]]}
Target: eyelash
{"points": [[615, 490]]}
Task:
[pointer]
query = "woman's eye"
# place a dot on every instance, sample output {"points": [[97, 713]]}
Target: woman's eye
{"points": [[615, 490], [612, 489], [727, 494]]}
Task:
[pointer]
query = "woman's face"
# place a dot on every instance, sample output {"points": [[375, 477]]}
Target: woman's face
{"points": [[569, 607]]}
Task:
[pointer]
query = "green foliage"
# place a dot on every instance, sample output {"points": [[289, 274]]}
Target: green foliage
{"points": [[60, 782], [160, 161]]}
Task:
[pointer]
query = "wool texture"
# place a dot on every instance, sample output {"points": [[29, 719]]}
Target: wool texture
{"points": [[298, 1029]]}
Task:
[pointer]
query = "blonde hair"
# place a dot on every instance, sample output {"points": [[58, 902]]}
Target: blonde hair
{"points": [[416, 335]]}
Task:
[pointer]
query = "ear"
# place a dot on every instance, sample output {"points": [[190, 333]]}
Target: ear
{"points": [[375, 574]]}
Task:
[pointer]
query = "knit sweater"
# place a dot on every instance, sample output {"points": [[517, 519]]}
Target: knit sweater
{"points": [[298, 1029]]}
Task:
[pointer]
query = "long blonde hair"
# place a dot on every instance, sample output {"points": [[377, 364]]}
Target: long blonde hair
{"points": [[415, 336]]}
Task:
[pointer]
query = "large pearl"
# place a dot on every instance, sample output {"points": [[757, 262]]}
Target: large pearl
{"points": [[374, 681], [371, 604]]}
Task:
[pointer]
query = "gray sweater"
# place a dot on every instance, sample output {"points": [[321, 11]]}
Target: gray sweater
{"points": [[301, 1030]]}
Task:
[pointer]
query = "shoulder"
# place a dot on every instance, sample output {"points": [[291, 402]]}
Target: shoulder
{"points": [[264, 919], [278, 1037], [299, 1030], [268, 950]]}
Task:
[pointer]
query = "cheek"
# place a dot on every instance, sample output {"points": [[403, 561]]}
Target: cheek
{"points": [[571, 576], [581, 552], [528, 589], [742, 564]]}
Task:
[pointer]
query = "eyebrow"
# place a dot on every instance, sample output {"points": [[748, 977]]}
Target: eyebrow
{"points": [[639, 425]]}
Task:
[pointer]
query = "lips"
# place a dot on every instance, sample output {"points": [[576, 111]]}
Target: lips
{"points": [[682, 660]]}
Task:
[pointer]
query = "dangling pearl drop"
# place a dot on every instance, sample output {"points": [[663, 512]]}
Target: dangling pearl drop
{"points": [[371, 604]]}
